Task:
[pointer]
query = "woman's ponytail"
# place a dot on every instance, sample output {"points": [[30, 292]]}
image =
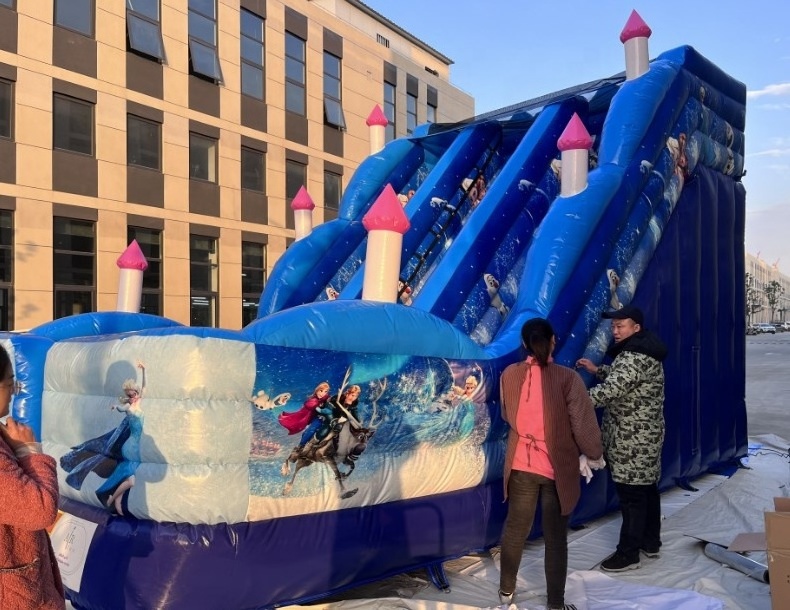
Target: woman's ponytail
{"points": [[536, 335]]}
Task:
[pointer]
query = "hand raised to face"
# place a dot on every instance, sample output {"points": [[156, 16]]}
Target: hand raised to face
{"points": [[16, 433]]}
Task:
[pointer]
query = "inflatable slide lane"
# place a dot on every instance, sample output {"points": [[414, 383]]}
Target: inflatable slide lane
{"points": [[338, 439]]}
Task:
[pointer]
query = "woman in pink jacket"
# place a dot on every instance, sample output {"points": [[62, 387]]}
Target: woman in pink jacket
{"points": [[29, 576], [552, 422]]}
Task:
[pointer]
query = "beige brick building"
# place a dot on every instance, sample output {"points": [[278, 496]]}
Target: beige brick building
{"points": [[188, 125], [760, 274]]}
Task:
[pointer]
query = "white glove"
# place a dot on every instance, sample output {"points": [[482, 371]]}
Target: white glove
{"points": [[584, 468], [597, 464]]}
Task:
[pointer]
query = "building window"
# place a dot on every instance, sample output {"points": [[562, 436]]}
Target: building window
{"points": [[251, 54], [144, 28], [411, 113], [73, 124], [75, 15], [74, 266], [295, 178], [143, 143], [203, 55], [203, 280], [8, 3], [253, 170], [333, 107], [202, 158], [253, 279], [6, 268], [381, 40], [431, 115], [150, 242], [295, 74], [333, 185], [389, 109], [6, 106]]}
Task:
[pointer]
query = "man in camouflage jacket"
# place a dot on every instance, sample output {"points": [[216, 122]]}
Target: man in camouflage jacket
{"points": [[632, 395]]}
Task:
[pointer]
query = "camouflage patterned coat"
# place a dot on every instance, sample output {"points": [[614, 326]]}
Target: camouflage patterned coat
{"points": [[632, 395]]}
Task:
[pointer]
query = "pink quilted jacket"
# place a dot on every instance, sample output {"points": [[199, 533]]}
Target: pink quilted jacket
{"points": [[29, 576]]}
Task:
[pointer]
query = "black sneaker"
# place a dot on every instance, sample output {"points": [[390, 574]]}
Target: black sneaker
{"points": [[620, 563], [650, 553]]}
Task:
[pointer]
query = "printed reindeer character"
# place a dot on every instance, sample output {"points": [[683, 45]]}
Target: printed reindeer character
{"points": [[345, 440]]}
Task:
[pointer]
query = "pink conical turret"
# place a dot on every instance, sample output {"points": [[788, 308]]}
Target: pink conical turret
{"points": [[377, 117], [386, 213], [575, 136], [635, 27], [377, 121], [386, 223], [302, 201], [132, 258], [303, 207], [634, 38], [574, 144], [132, 263]]}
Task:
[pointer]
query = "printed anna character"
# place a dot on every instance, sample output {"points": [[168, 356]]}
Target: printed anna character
{"points": [[337, 410], [304, 420]]}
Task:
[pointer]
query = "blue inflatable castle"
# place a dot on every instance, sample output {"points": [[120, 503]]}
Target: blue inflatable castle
{"points": [[353, 430]]}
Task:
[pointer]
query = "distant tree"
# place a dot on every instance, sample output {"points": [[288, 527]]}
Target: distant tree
{"points": [[773, 290], [754, 301]]}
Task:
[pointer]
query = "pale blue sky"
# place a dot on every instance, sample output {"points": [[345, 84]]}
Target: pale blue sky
{"points": [[507, 51]]}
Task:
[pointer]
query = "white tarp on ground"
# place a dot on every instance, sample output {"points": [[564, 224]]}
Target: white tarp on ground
{"points": [[682, 578]]}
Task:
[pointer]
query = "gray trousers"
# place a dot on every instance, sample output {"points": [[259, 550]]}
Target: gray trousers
{"points": [[523, 491]]}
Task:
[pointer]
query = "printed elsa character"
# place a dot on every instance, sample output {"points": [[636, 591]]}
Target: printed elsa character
{"points": [[122, 479], [466, 392], [305, 418], [115, 455], [457, 395]]}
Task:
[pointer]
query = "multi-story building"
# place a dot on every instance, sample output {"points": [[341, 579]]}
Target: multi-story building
{"points": [[761, 274], [188, 125]]}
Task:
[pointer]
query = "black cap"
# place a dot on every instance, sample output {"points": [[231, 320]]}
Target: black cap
{"points": [[625, 312]]}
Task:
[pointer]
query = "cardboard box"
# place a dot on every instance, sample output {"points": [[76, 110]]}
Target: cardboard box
{"points": [[777, 537]]}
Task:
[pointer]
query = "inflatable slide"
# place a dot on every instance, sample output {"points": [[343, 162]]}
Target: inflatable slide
{"points": [[337, 439]]}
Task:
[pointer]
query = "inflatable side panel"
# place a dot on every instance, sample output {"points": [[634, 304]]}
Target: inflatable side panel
{"points": [[724, 378], [279, 561], [710, 350], [688, 215], [139, 406], [28, 355], [738, 395]]}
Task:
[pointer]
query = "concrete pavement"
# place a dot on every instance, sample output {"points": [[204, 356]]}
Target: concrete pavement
{"points": [[768, 384]]}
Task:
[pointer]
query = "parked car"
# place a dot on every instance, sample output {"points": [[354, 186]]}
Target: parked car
{"points": [[765, 327]]}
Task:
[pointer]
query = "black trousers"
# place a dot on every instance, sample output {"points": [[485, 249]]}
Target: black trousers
{"points": [[641, 528], [523, 490]]}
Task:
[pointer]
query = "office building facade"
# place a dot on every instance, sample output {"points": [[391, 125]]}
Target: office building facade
{"points": [[187, 125]]}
